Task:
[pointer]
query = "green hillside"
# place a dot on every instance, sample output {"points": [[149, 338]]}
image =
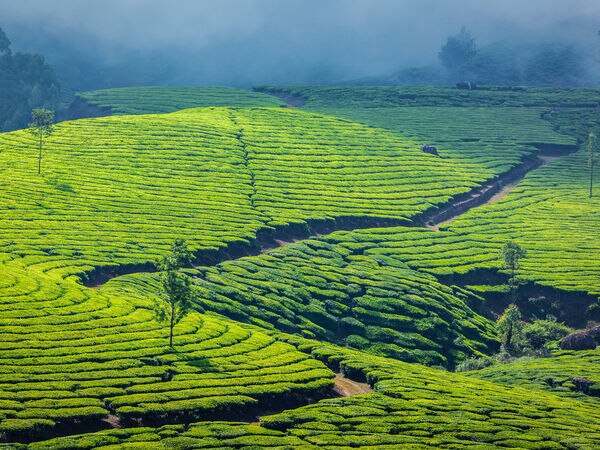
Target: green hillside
{"points": [[313, 264], [164, 99], [413, 407], [128, 185], [549, 213], [568, 373], [72, 355], [392, 96], [336, 294]]}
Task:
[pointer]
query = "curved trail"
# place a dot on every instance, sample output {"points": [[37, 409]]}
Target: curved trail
{"points": [[489, 193], [270, 238]]}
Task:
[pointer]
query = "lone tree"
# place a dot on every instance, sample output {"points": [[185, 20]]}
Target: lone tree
{"points": [[508, 325], [41, 127], [511, 254], [177, 296], [592, 147], [458, 50]]}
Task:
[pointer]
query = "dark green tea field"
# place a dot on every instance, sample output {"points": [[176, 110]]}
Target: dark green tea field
{"points": [[346, 284]]}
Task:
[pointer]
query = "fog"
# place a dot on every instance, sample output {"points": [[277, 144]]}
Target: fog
{"points": [[249, 42]]}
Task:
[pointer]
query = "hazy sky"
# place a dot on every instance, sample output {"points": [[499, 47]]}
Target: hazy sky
{"points": [[358, 37]]}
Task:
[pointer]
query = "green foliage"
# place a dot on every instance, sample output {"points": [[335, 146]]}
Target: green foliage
{"points": [[164, 99], [551, 373], [541, 332], [458, 50], [179, 257], [592, 159], [474, 363], [347, 295], [41, 126], [42, 123], [178, 294], [72, 355], [509, 324], [412, 406], [217, 176], [26, 83], [512, 253]]}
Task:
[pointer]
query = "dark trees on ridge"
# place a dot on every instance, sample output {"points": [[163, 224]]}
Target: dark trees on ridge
{"points": [[458, 50], [26, 82]]}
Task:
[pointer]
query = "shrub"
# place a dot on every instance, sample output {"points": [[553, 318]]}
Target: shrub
{"points": [[474, 364], [541, 332]]}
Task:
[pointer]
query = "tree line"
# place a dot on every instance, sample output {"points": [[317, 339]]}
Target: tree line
{"points": [[26, 82]]}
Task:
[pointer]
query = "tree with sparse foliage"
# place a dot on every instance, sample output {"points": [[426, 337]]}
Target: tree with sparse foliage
{"points": [[41, 126], [177, 296], [508, 325], [458, 50], [511, 255], [592, 147]]}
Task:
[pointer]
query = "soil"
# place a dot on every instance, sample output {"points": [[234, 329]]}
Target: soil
{"points": [[500, 189], [346, 387], [113, 421], [271, 238]]}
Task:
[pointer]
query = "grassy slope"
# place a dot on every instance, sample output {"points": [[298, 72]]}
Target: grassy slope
{"points": [[73, 354], [549, 213], [448, 410], [553, 374], [127, 185], [334, 293], [413, 407], [164, 99]]}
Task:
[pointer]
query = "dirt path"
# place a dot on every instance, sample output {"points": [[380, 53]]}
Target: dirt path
{"points": [[342, 387], [272, 238], [493, 193], [346, 387]]}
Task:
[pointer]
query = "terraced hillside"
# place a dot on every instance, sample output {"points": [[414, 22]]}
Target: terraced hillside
{"points": [[567, 373], [164, 99], [549, 213], [73, 355], [413, 407], [334, 293], [353, 97], [235, 181], [213, 176]]}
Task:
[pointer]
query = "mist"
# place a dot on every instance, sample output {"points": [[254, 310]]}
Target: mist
{"points": [[252, 42]]}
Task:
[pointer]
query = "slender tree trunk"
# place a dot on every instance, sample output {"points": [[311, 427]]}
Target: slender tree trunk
{"points": [[40, 156], [172, 324], [512, 286], [508, 338], [591, 178]]}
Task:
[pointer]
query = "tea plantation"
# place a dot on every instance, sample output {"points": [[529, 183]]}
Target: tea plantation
{"points": [[336, 294], [549, 213], [568, 373], [413, 407], [311, 259], [213, 176], [73, 355], [162, 99]]}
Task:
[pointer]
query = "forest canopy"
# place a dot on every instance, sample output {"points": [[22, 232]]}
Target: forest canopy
{"points": [[26, 82]]}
